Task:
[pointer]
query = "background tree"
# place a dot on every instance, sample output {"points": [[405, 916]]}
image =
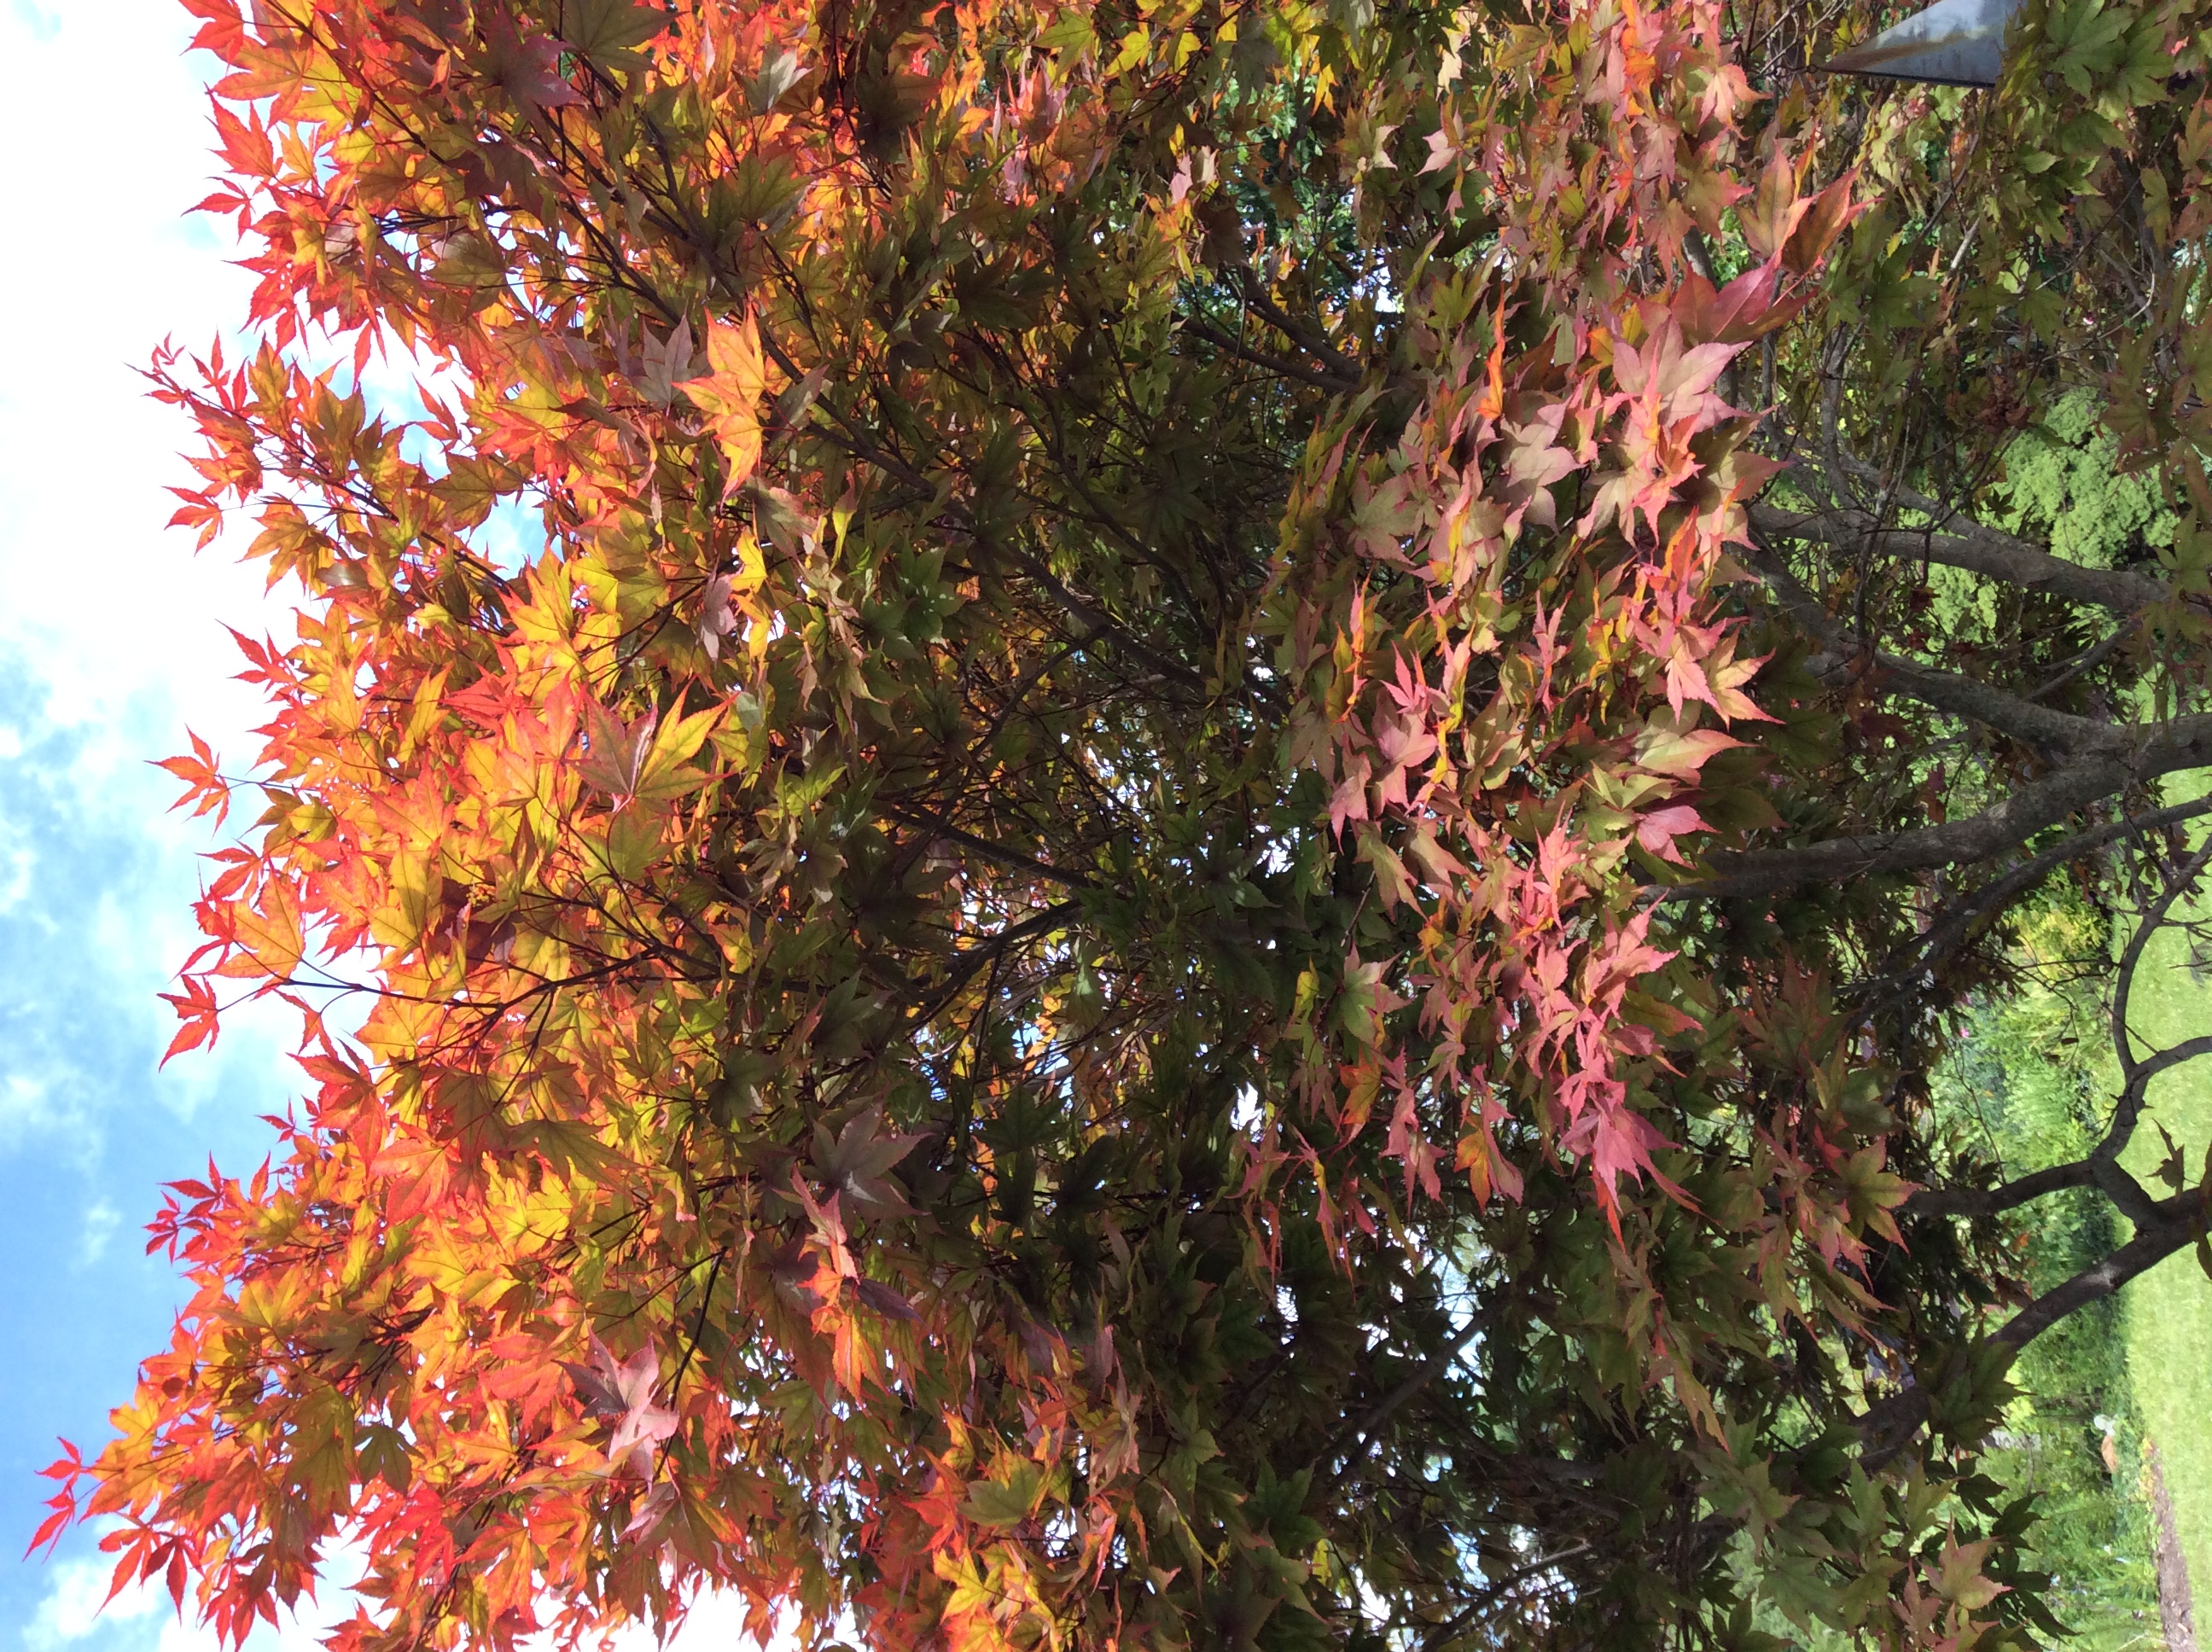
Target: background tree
{"points": [[1200, 888]]}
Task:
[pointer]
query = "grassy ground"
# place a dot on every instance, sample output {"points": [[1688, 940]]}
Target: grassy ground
{"points": [[2169, 1310]]}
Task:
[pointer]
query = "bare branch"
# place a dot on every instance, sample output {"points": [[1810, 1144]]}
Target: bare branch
{"points": [[1360, 1434], [964, 964], [1981, 1202], [1948, 927], [2152, 1245], [1449, 1631], [1000, 854], [2034, 807], [1888, 1424], [1971, 546], [2178, 883], [1335, 384], [1945, 691]]}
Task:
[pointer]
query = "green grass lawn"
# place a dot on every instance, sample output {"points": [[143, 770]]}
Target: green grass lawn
{"points": [[2169, 1310]]}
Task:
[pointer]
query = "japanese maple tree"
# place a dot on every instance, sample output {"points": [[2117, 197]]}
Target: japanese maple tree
{"points": [[1198, 884]]}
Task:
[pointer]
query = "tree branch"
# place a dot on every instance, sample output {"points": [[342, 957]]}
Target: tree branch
{"points": [[2150, 1246], [965, 964], [1946, 691], [1335, 384], [1355, 1438], [1002, 854], [1888, 1424], [1445, 1632], [1979, 1202], [1947, 928], [1971, 546], [2035, 807]]}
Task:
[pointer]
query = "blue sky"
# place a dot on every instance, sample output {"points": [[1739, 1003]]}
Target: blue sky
{"points": [[111, 646]]}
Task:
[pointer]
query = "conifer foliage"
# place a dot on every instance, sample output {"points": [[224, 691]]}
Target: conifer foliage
{"points": [[1197, 889]]}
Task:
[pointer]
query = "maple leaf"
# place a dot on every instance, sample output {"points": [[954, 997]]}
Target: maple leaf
{"points": [[1678, 752], [730, 394], [195, 1006], [1958, 1575], [669, 361], [1775, 207], [527, 69], [615, 751], [1658, 830], [719, 615], [206, 790], [1674, 381], [621, 1392], [725, 592], [856, 1162], [652, 1509], [605, 31]]}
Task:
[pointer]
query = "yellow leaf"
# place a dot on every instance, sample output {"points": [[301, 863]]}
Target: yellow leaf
{"points": [[399, 922], [270, 931], [662, 774], [729, 395]]}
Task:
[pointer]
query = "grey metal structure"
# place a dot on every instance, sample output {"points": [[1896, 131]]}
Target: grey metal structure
{"points": [[1953, 43]]}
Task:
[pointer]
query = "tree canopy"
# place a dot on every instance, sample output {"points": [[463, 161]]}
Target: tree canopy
{"points": [[1199, 885]]}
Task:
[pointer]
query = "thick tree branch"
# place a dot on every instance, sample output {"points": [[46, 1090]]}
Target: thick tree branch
{"points": [[1335, 384], [1355, 1437], [1946, 691], [965, 964], [2034, 807], [1889, 1424], [1948, 927], [1971, 546], [1000, 853], [2107, 760], [1979, 1202], [2152, 1245]]}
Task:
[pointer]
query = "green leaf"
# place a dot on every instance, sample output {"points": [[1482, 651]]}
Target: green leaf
{"points": [[605, 32], [1002, 1503]]}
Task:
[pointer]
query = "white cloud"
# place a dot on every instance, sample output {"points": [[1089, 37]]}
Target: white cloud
{"points": [[143, 1619], [110, 648], [72, 1610], [111, 643], [101, 1218], [70, 1618], [24, 1107]]}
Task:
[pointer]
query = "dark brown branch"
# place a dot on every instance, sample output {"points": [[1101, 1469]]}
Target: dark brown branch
{"points": [[2034, 807], [1948, 927], [1000, 854], [1946, 691], [1889, 1424], [2089, 659], [1445, 1632], [1335, 384], [2150, 1246], [1979, 1202], [1356, 1436], [2176, 883], [2124, 1191], [1310, 339], [1972, 547], [965, 964]]}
